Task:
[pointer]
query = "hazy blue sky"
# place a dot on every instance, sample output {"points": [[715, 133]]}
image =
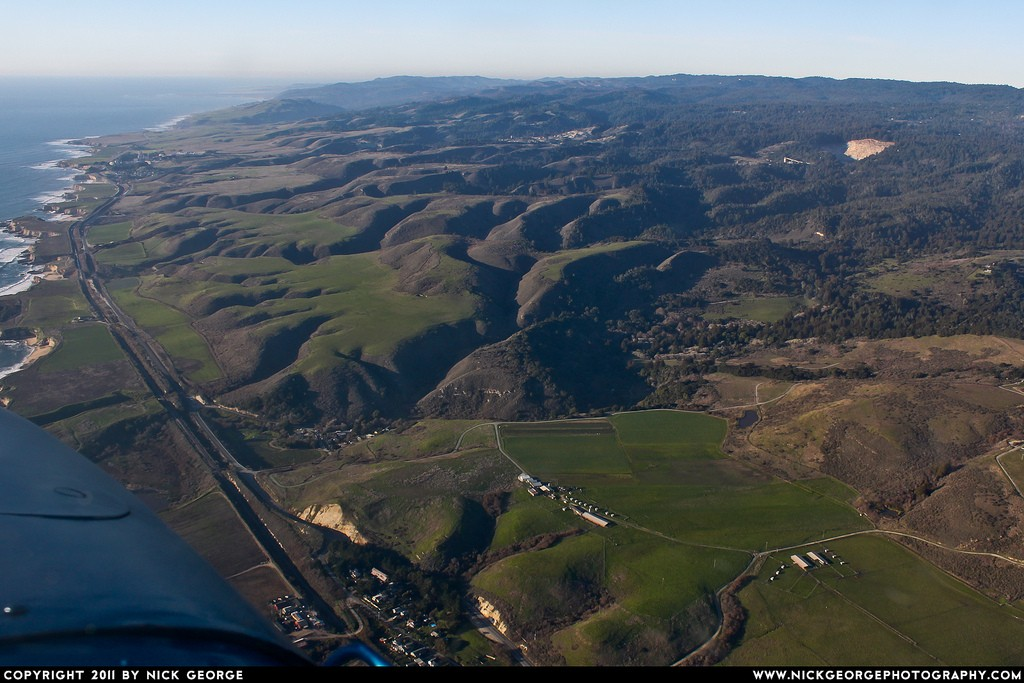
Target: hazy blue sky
{"points": [[324, 40]]}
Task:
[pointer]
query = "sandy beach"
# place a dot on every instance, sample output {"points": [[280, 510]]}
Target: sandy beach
{"points": [[40, 348]]}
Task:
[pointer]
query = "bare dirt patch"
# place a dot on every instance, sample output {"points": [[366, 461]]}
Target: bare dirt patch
{"points": [[867, 147]]}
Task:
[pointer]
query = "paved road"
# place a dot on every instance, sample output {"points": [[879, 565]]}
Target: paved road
{"points": [[484, 626], [172, 391]]}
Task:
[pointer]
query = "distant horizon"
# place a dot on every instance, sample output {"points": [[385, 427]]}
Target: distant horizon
{"points": [[328, 41], [284, 83]]}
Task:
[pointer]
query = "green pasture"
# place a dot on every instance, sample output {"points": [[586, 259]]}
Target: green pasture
{"points": [[355, 296], [547, 585], [52, 304], [83, 425], [414, 505], [889, 279], [661, 596], [651, 587], [766, 309], [884, 606], [677, 434], [92, 191], [663, 470], [737, 511], [426, 438], [829, 487], [69, 410], [128, 254], [111, 232], [552, 267], [529, 517], [259, 453], [83, 344], [551, 454], [244, 232], [169, 326]]}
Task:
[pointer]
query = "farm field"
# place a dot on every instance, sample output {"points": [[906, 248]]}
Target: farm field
{"points": [[110, 232], [557, 449], [52, 304], [686, 522], [663, 470], [213, 529], [82, 426], [767, 309], [86, 371], [127, 254], [170, 327], [205, 522], [86, 344], [883, 606]]}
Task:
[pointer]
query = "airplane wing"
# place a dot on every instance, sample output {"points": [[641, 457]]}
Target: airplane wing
{"points": [[90, 576]]}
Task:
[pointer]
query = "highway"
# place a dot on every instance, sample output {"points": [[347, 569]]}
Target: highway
{"points": [[160, 376]]}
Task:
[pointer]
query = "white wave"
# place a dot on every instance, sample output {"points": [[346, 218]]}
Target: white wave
{"points": [[10, 370], [57, 217], [11, 254], [55, 197], [167, 125], [22, 285], [71, 149], [48, 165]]}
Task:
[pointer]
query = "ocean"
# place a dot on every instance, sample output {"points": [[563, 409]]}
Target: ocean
{"points": [[38, 117]]}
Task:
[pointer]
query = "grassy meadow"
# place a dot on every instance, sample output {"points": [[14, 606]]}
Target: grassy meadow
{"points": [[884, 606], [109, 232], [171, 328], [686, 521], [85, 344], [766, 309]]}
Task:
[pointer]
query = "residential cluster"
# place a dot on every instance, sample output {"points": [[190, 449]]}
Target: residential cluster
{"points": [[418, 653], [333, 439], [575, 135], [392, 604], [291, 614]]}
